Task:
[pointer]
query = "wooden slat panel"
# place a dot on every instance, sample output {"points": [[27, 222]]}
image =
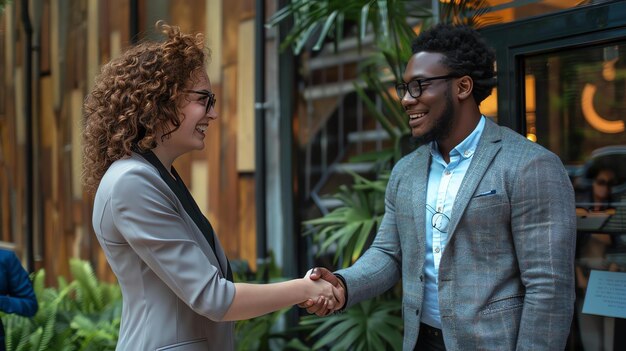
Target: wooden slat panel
{"points": [[213, 36], [247, 221], [76, 142], [245, 97], [227, 171], [199, 183], [93, 63], [44, 63], [188, 15], [230, 29], [247, 10]]}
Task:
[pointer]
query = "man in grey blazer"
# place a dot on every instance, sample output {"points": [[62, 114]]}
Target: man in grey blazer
{"points": [[479, 222]]}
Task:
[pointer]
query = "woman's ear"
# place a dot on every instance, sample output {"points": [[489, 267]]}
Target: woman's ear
{"points": [[464, 86]]}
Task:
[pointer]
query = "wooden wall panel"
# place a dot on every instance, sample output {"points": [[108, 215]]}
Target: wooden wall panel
{"points": [[226, 169], [76, 39], [245, 97], [230, 30], [247, 220]]}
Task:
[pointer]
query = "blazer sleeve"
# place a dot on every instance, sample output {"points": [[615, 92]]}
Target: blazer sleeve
{"points": [[543, 226], [380, 266], [145, 215], [20, 298]]}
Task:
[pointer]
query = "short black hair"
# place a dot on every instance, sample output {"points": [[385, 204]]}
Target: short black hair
{"points": [[466, 53]]}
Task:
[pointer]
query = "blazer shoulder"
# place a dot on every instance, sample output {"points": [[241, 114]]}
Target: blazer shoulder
{"points": [[129, 176], [516, 143]]}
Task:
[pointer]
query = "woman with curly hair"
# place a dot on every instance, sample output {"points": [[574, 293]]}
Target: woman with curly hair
{"points": [[148, 107]]}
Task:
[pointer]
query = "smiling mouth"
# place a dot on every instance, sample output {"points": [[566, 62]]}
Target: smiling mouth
{"points": [[202, 128], [413, 116]]}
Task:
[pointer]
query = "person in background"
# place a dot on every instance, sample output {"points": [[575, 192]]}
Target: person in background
{"points": [[16, 290], [591, 255], [479, 221], [148, 107], [602, 187]]}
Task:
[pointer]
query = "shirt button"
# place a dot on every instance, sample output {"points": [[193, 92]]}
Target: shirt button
{"points": [[466, 153], [437, 250], [447, 173]]}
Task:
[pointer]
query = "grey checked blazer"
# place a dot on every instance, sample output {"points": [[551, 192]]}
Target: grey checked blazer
{"points": [[506, 277], [174, 293]]}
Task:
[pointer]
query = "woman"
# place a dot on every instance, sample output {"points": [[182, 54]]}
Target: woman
{"points": [[148, 107]]}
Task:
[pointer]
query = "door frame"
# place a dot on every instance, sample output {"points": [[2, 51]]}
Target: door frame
{"points": [[577, 27]]}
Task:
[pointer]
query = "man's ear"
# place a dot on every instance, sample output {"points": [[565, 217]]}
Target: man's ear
{"points": [[464, 86]]}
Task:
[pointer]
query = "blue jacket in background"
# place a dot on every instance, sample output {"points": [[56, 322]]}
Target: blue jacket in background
{"points": [[16, 291]]}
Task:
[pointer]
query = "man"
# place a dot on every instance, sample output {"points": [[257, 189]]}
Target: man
{"points": [[16, 291], [479, 222]]}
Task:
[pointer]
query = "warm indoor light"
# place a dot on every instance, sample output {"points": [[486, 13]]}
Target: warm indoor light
{"points": [[594, 119]]}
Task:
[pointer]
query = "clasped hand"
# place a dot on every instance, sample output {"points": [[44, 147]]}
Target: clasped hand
{"points": [[324, 304]]}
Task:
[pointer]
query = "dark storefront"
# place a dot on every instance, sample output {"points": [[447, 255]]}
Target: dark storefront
{"points": [[562, 83]]}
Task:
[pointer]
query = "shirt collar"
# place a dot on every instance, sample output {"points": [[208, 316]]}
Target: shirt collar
{"points": [[467, 147]]}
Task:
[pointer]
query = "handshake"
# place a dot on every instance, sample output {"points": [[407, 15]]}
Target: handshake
{"points": [[328, 293]]}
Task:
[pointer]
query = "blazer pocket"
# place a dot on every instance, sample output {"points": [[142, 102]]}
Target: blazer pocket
{"points": [[482, 201], [192, 345], [504, 304]]}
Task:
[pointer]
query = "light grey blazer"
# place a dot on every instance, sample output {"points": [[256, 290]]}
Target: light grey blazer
{"points": [[506, 277], [174, 294]]}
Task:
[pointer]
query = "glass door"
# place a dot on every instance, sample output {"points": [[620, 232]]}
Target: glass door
{"points": [[562, 84]]}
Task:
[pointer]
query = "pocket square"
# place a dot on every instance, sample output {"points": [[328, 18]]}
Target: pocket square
{"points": [[486, 193]]}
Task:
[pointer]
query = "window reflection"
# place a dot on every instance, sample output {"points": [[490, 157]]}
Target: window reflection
{"points": [[575, 105]]}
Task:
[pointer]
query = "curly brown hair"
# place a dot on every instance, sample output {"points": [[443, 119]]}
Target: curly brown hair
{"points": [[136, 97]]}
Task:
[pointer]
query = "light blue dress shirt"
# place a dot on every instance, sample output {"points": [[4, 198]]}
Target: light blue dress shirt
{"points": [[444, 181]]}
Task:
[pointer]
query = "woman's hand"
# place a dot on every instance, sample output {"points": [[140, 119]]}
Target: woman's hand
{"points": [[324, 294]]}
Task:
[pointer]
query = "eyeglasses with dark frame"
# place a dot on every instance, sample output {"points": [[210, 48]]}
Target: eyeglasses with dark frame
{"points": [[439, 220], [414, 86], [209, 96]]}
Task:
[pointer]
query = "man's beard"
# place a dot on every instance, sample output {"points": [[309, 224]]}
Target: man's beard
{"points": [[442, 127]]}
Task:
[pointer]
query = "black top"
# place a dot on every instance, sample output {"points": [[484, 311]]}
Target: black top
{"points": [[189, 204]]}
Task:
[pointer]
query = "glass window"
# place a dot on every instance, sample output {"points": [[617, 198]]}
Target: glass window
{"points": [[575, 105]]}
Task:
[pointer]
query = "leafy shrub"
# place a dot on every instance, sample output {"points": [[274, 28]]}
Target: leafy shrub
{"points": [[81, 315]]}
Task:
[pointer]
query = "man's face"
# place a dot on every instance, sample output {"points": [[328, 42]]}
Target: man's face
{"points": [[431, 115]]}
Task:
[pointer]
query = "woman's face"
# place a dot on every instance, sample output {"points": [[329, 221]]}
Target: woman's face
{"points": [[195, 113], [602, 185]]}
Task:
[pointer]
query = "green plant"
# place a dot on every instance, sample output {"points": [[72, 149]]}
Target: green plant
{"points": [[350, 225], [261, 333], [370, 325], [81, 315]]}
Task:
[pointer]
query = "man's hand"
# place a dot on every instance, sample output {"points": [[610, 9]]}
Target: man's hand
{"points": [[318, 307]]}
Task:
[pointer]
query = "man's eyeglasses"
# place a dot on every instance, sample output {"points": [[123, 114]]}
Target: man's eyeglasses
{"points": [[415, 87], [209, 98], [439, 220]]}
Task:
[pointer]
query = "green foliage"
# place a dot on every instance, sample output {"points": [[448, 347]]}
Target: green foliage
{"points": [[261, 333], [370, 325], [348, 227], [81, 315]]}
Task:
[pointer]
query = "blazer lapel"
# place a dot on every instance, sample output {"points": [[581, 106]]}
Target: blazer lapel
{"points": [[420, 182], [488, 147]]}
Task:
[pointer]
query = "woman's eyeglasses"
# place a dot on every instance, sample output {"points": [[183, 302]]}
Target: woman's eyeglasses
{"points": [[415, 87], [604, 182], [209, 98]]}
